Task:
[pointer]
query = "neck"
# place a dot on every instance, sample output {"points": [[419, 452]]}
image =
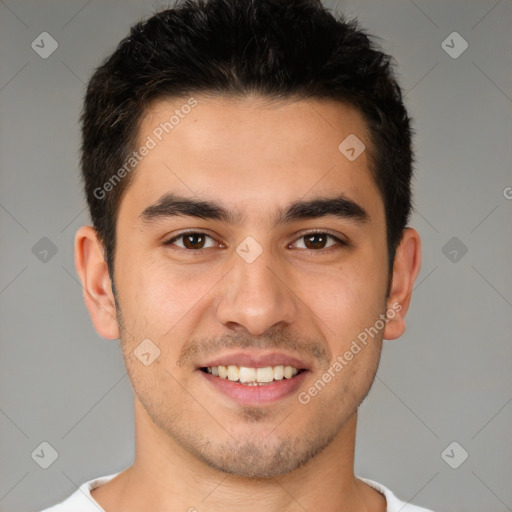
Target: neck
{"points": [[166, 476]]}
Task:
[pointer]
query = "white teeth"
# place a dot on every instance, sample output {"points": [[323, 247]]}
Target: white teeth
{"points": [[265, 374], [232, 372], [247, 374], [253, 376], [288, 372]]}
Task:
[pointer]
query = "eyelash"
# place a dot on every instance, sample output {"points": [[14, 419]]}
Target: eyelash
{"points": [[340, 243]]}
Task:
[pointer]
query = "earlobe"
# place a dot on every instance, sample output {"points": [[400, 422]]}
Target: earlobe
{"points": [[406, 268], [97, 287]]}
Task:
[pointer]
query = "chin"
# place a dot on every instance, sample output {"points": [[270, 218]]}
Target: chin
{"points": [[264, 459]]}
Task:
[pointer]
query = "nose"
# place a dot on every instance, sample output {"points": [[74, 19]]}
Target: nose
{"points": [[257, 296]]}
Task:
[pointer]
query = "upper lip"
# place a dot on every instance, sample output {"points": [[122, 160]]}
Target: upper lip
{"points": [[257, 360]]}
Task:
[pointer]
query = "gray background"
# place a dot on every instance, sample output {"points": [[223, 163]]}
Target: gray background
{"points": [[447, 379]]}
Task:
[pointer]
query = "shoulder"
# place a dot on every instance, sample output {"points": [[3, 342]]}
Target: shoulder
{"points": [[81, 500], [393, 503]]}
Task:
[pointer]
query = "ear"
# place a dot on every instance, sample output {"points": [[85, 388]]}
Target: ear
{"points": [[405, 270], [97, 287]]}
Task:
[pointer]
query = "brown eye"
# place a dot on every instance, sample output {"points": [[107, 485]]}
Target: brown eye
{"points": [[192, 241], [318, 241]]}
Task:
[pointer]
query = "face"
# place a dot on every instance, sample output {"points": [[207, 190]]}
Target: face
{"points": [[257, 275]]}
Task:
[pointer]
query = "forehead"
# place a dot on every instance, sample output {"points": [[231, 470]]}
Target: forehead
{"points": [[251, 152]]}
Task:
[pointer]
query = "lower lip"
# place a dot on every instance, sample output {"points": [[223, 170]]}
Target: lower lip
{"points": [[256, 395]]}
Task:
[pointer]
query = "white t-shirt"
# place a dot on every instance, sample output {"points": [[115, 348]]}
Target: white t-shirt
{"points": [[82, 501]]}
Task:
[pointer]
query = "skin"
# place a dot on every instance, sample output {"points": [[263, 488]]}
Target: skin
{"points": [[194, 446]]}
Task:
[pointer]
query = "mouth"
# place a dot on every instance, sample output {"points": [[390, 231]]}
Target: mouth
{"points": [[252, 376], [256, 380]]}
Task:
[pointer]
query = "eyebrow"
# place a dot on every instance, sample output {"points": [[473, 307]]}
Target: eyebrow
{"points": [[171, 205]]}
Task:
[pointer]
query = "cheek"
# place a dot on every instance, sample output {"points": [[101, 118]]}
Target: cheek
{"points": [[347, 303], [353, 292], [151, 288], [161, 301]]}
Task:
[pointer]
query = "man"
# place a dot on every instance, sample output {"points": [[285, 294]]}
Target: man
{"points": [[247, 166]]}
